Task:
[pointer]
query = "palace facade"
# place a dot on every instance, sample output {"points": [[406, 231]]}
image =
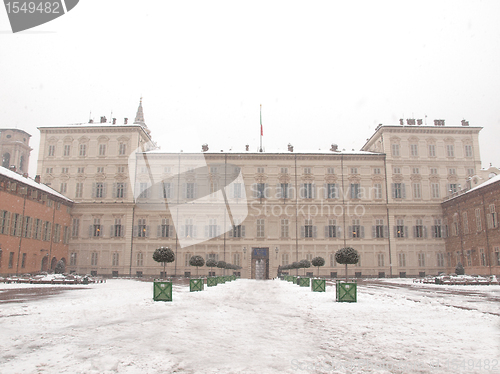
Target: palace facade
{"points": [[257, 210]]}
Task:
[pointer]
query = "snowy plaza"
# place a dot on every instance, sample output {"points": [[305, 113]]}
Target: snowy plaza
{"points": [[249, 326]]}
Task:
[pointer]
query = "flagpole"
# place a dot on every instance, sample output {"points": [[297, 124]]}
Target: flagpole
{"points": [[261, 130]]}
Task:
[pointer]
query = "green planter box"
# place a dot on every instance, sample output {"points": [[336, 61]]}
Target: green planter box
{"points": [[195, 285], [304, 282], [221, 280], [211, 281], [294, 280], [318, 285], [346, 292], [227, 278], [162, 291], [233, 277]]}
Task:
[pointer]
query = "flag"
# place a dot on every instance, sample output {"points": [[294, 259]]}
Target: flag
{"points": [[261, 128]]}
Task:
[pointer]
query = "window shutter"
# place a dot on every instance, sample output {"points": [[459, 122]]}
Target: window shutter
{"points": [[266, 190], [255, 192], [395, 231], [112, 231], [194, 231], [90, 230], [230, 232], [313, 186], [444, 232], [315, 231], [302, 231], [104, 190], [302, 191], [124, 190], [406, 231], [113, 195], [195, 190], [290, 191], [339, 232], [350, 231], [374, 231], [183, 231], [425, 231], [184, 190], [386, 231], [393, 187], [147, 231], [93, 189], [158, 231], [433, 231], [242, 231], [279, 192], [218, 230], [122, 231], [325, 191], [362, 229], [327, 232], [414, 231], [206, 231], [403, 190], [136, 231], [170, 231], [160, 190]]}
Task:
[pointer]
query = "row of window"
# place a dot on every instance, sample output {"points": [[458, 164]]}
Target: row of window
{"points": [[82, 150], [431, 150], [81, 170], [491, 218], [471, 259], [308, 230], [16, 224], [11, 260]]}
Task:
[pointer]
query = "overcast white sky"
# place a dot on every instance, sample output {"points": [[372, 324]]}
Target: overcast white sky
{"points": [[324, 71]]}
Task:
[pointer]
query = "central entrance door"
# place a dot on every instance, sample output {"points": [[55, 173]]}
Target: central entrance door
{"points": [[260, 263]]}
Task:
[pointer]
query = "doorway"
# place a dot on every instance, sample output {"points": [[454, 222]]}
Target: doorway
{"points": [[260, 263]]}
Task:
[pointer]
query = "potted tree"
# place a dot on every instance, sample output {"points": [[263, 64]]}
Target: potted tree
{"points": [[221, 265], [304, 281], [318, 285], [211, 280], [196, 284], [162, 290], [346, 291], [296, 266]]}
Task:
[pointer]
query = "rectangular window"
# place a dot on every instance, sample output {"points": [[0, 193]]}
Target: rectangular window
{"points": [[376, 171], [354, 170], [96, 228], [83, 150], [440, 259], [100, 169], [189, 228], [67, 150], [66, 235], [93, 258], [102, 149], [419, 230], [432, 150], [396, 170], [465, 222], [260, 228], [330, 170], [398, 191], [307, 191], [356, 229], [37, 229], [79, 190], [399, 229], [355, 191], [379, 228], [308, 229], [238, 231], [434, 171], [492, 217], [435, 190], [236, 259], [142, 228], [283, 191], [402, 260], [284, 259], [284, 170], [333, 263], [140, 259], [380, 258], [47, 231], [377, 191], [15, 226], [80, 170], [284, 228], [122, 149], [331, 229], [57, 233], [11, 260], [450, 150], [307, 170], [416, 171], [27, 227], [99, 190], [454, 226], [120, 190], [260, 170], [436, 229], [421, 260], [468, 255], [468, 150], [52, 150], [497, 256], [4, 222], [414, 150], [237, 190], [49, 170], [452, 171], [118, 228], [417, 191], [120, 169], [331, 191], [23, 261], [64, 187], [64, 170], [261, 191], [470, 172], [395, 150], [482, 257], [479, 226], [116, 259], [164, 228], [452, 188], [190, 190], [72, 259]]}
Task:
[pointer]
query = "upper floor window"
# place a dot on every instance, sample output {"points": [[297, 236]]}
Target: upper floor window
{"points": [[468, 150], [83, 150], [395, 150], [102, 149], [307, 170], [330, 171], [414, 150], [52, 150], [432, 150], [284, 170], [376, 171], [450, 150], [67, 150], [122, 149]]}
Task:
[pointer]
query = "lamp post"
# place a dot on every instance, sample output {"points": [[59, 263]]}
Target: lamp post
{"points": [[277, 250], [244, 252]]}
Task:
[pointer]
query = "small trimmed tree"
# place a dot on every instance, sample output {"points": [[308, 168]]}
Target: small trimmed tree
{"points": [[318, 261], [164, 255], [211, 263], [221, 265], [60, 267], [295, 265], [306, 264], [197, 261], [459, 270], [347, 256]]}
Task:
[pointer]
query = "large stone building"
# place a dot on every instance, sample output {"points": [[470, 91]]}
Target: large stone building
{"points": [[277, 207], [35, 224], [15, 149], [471, 217]]}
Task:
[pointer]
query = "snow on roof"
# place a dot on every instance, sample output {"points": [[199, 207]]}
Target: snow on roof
{"points": [[30, 182], [318, 152], [484, 184]]}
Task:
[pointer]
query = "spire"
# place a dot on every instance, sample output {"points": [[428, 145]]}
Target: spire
{"points": [[139, 117]]}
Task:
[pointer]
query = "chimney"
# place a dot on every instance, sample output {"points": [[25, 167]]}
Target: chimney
{"points": [[91, 121], [204, 147], [125, 121], [401, 121], [12, 168], [247, 147], [334, 148], [419, 122], [290, 147], [103, 119], [37, 178], [25, 175], [439, 122], [465, 123], [114, 121], [410, 122]]}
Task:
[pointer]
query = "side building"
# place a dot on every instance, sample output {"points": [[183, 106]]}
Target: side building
{"points": [[474, 233], [35, 224], [384, 200]]}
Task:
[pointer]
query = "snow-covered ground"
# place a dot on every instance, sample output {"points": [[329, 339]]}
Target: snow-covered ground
{"points": [[249, 326]]}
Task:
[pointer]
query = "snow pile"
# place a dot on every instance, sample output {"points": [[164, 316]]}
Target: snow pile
{"points": [[250, 326]]}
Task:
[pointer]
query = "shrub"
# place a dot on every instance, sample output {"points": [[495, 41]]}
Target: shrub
{"points": [[197, 261], [318, 261], [346, 256], [459, 270]]}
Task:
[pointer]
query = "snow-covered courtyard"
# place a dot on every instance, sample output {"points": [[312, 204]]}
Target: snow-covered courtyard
{"points": [[250, 326]]}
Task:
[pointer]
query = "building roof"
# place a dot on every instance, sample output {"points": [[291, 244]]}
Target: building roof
{"points": [[11, 129], [30, 182], [281, 152], [482, 185]]}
